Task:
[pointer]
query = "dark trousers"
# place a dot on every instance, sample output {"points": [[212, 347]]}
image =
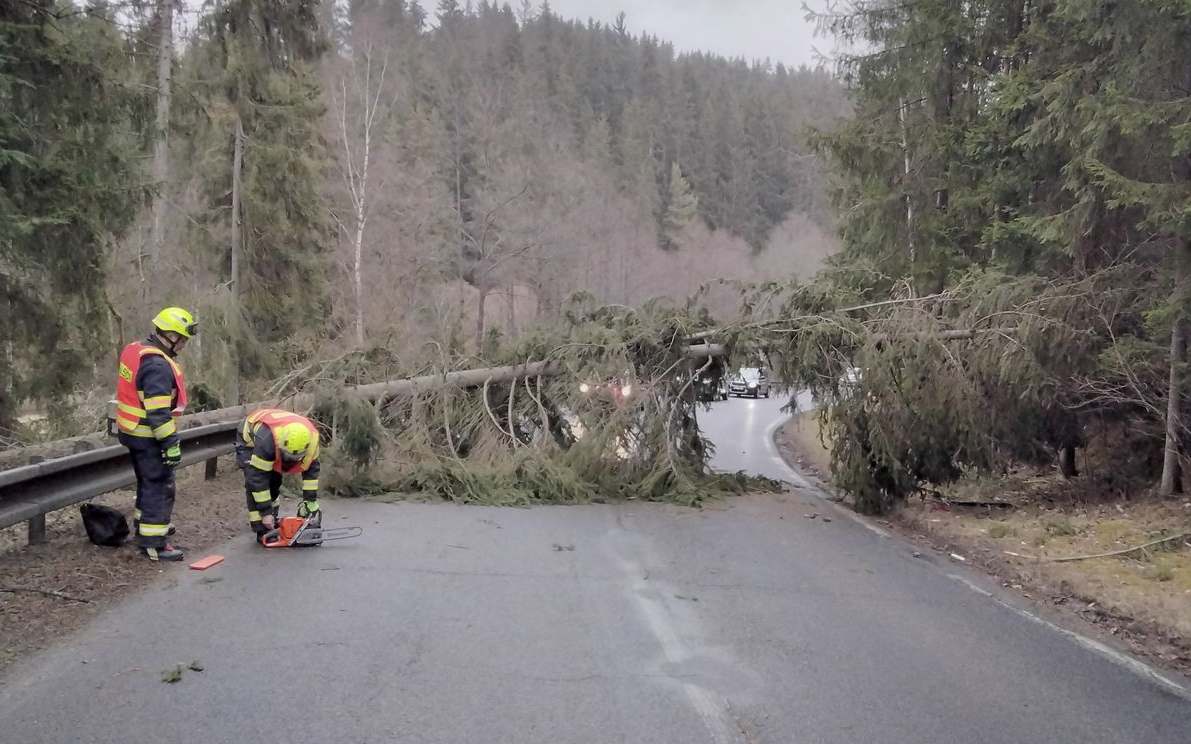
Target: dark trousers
{"points": [[155, 490], [257, 511]]}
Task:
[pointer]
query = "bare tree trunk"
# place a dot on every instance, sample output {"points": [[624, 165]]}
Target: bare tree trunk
{"points": [[906, 185], [1171, 471], [161, 150], [624, 269], [357, 279], [944, 108], [234, 310], [512, 309], [606, 272], [457, 155], [115, 330], [480, 311], [1067, 461]]}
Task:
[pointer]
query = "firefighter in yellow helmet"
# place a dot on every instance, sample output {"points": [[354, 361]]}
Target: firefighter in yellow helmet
{"points": [[150, 394], [271, 444]]}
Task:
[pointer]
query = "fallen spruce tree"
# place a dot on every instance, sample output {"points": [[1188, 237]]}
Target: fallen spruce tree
{"points": [[598, 407], [997, 371]]}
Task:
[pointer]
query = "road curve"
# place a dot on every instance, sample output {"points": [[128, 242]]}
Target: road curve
{"points": [[744, 623]]}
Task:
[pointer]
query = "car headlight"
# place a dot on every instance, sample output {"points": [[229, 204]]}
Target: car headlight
{"points": [[706, 380], [752, 384]]}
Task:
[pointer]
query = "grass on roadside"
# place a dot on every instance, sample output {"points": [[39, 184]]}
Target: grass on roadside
{"points": [[1152, 585]]}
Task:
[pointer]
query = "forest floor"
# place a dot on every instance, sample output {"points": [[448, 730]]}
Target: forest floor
{"points": [[1026, 520]]}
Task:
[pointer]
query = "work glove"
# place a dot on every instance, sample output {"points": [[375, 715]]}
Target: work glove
{"points": [[172, 456]]}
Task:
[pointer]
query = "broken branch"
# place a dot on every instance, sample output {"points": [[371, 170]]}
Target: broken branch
{"points": [[46, 592], [1125, 551]]}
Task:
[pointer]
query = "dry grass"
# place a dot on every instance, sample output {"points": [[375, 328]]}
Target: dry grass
{"points": [[1154, 586], [1001, 530]]}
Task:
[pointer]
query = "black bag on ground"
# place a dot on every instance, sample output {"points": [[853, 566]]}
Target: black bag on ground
{"points": [[105, 525]]}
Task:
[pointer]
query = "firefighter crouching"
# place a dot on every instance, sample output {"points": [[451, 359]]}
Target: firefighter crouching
{"points": [[150, 394], [271, 444]]}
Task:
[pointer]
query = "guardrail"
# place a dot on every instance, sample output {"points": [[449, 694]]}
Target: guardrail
{"points": [[28, 493]]}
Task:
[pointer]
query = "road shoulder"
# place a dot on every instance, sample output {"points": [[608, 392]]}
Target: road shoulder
{"points": [[1142, 607]]}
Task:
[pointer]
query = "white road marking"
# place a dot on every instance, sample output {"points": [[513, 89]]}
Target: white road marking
{"points": [[1124, 660], [712, 707], [970, 584]]}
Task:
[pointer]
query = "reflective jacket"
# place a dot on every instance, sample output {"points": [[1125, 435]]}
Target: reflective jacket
{"points": [[265, 455], [150, 393]]}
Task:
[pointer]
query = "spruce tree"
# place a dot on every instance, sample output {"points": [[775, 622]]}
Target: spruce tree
{"points": [[1114, 93], [255, 65], [70, 184], [681, 207]]}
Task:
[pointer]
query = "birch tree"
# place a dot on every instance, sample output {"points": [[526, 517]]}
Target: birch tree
{"points": [[362, 105]]}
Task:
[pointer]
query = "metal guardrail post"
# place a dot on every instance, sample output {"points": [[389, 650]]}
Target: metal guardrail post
{"points": [[37, 530], [212, 469]]}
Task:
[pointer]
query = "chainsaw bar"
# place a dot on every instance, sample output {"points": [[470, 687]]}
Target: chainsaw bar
{"points": [[316, 535], [307, 535]]}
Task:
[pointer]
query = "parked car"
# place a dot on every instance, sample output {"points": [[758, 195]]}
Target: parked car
{"points": [[749, 381]]}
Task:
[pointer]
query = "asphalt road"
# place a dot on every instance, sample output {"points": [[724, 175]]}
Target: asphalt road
{"points": [[743, 623]]}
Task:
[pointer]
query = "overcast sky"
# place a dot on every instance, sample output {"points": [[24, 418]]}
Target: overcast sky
{"points": [[753, 29]]}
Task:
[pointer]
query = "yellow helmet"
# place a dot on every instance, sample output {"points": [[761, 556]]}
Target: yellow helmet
{"points": [[294, 439], [177, 320]]}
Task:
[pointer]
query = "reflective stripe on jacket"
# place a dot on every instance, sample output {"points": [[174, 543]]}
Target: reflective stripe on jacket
{"points": [[149, 394]]}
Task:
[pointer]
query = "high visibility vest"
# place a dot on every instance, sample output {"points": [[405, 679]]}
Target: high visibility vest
{"points": [[131, 416], [274, 418]]}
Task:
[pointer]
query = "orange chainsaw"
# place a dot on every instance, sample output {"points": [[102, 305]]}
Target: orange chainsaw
{"points": [[302, 532]]}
